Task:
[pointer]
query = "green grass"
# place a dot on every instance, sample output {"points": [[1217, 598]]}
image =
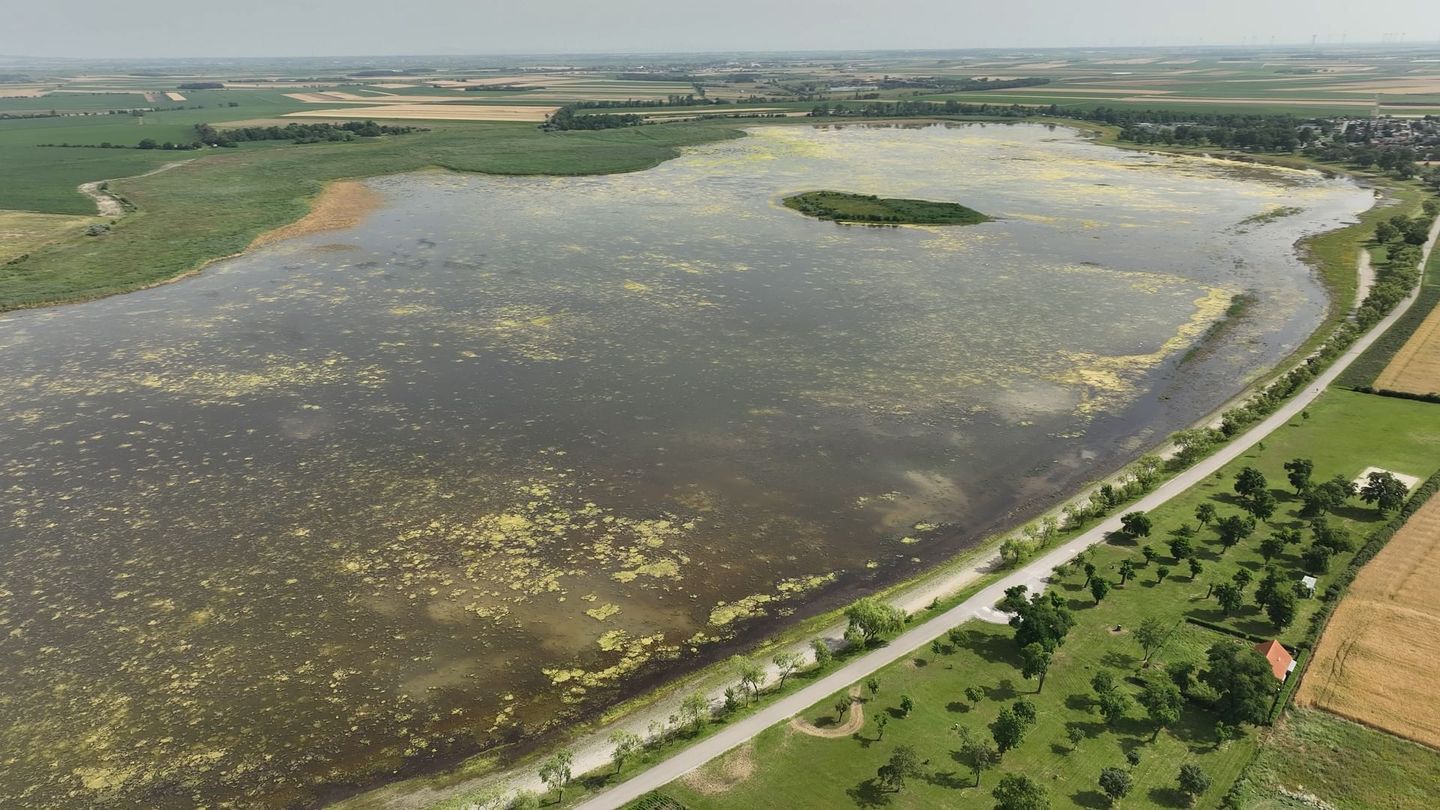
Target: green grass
{"points": [[841, 206], [1341, 763], [1344, 433], [215, 205]]}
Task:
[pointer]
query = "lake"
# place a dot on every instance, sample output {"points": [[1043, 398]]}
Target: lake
{"points": [[517, 447]]}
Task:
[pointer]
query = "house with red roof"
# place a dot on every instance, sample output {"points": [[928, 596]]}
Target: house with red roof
{"points": [[1281, 661]]}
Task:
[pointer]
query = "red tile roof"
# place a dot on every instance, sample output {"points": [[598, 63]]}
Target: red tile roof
{"points": [[1279, 657]]}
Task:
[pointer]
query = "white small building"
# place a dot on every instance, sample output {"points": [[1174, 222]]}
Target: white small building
{"points": [[1309, 583]]}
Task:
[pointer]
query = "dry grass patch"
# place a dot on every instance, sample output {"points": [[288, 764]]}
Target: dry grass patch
{"points": [[342, 204], [23, 231], [1375, 664], [723, 774], [436, 112], [1415, 368], [173, 96]]}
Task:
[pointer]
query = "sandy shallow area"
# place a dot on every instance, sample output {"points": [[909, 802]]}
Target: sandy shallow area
{"points": [[342, 204]]}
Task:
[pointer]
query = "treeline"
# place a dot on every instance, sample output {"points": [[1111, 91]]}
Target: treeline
{"points": [[202, 86], [566, 118], [298, 133], [908, 109]]}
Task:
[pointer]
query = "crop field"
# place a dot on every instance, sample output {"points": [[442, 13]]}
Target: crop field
{"points": [[436, 112], [1375, 662], [1416, 367]]}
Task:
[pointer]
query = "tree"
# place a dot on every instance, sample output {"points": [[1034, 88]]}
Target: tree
{"points": [[786, 663], [881, 721], [1268, 587], [978, 752], [1192, 782], [841, 705], [1384, 490], [1204, 513], [1098, 588], [1229, 597], [821, 649], [1127, 570], [1329, 496], [1225, 732], [1025, 710], [1196, 568], [1162, 701], [1316, 559], [1161, 573], [907, 705], [1181, 548], [1281, 608], [1149, 553], [1009, 729], [1150, 635], [1103, 682], [1299, 471], [626, 743], [1089, 570], [936, 648], [974, 694], [1074, 734], [750, 674], [555, 772], [903, 762], [1242, 578], [696, 709], [1116, 783], [1233, 529], [1242, 680], [1019, 792], [1272, 547], [1034, 663], [1262, 506], [1113, 705], [873, 684], [1135, 524], [1043, 620], [1249, 483], [149, 143], [874, 618]]}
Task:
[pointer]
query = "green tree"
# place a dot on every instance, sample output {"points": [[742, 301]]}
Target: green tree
{"points": [[977, 752], [1384, 490], [1281, 608], [1192, 782], [1034, 663], [626, 744], [555, 772], [873, 684], [750, 674], [873, 618], [1272, 547], [1043, 620], [1241, 578], [1009, 729], [903, 763], [1127, 570], [1116, 783], [1316, 559], [841, 706], [1150, 635], [1161, 573], [1229, 597], [1329, 496], [1233, 529], [1098, 588], [1249, 483], [820, 648], [974, 694], [907, 705], [785, 665], [1162, 701], [881, 721], [1017, 791], [1074, 734], [1242, 680], [1113, 705], [1204, 513], [1135, 524], [1299, 471], [1089, 570], [695, 708], [1149, 553], [1262, 506], [1196, 568], [1181, 548]]}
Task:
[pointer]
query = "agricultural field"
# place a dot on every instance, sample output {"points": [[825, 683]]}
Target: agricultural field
{"points": [[1375, 661], [1416, 367], [24, 231], [1343, 433]]}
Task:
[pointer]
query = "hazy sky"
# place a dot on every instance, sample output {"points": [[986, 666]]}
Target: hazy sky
{"points": [[154, 28]]}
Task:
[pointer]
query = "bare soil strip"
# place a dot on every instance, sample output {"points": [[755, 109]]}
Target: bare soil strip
{"points": [[342, 204], [1415, 368], [1376, 662], [853, 723]]}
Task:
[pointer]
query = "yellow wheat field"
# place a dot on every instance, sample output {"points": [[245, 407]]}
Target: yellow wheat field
{"points": [[1416, 367], [1379, 657]]}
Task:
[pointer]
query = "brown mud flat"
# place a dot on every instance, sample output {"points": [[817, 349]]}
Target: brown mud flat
{"points": [[340, 205], [1375, 663]]}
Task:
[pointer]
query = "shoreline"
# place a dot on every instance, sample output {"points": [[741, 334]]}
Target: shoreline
{"points": [[340, 204]]}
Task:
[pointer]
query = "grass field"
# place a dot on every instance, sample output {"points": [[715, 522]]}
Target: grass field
{"points": [[1312, 754], [1375, 662], [1345, 432], [24, 231]]}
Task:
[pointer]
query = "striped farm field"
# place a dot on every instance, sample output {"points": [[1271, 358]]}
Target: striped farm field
{"points": [[1415, 369], [436, 112], [1375, 664]]}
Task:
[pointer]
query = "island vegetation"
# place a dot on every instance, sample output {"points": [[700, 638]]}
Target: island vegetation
{"points": [[841, 206]]}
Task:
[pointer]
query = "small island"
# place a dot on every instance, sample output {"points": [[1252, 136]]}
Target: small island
{"points": [[867, 209]]}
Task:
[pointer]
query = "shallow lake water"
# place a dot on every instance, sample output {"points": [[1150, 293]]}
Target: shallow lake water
{"points": [[516, 446]]}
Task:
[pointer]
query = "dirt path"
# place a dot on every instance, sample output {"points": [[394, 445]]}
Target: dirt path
{"points": [[107, 204], [845, 729]]}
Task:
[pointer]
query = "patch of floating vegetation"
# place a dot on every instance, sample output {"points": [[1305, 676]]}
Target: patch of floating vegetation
{"points": [[868, 209], [1268, 216]]}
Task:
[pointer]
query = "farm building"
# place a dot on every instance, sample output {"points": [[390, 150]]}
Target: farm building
{"points": [[1281, 662]]}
